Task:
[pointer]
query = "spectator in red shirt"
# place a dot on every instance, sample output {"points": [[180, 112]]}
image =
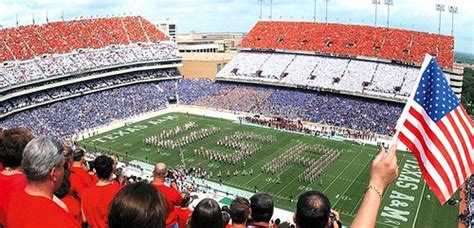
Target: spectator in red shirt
{"points": [[138, 205], [12, 179], [96, 199], [80, 178], [172, 195], [43, 165], [183, 212]]}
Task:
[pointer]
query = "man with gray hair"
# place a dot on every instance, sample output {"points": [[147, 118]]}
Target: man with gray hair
{"points": [[42, 163]]}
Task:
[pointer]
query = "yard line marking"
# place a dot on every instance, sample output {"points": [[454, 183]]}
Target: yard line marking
{"points": [[419, 204], [253, 178], [342, 172], [349, 186], [390, 186]]}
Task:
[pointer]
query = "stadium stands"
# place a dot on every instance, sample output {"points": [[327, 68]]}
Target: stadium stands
{"points": [[322, 73], [351, 40], [33, 52], [78, 61], [25, 42], [82, 112], [83, 87]]}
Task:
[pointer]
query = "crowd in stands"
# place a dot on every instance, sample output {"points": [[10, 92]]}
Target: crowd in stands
{"points": [[323, 73], [466, 216], [351, 40], [101, 108], [48, 184], [89, 111], [26, 42], [79, 61], [83, 87]]}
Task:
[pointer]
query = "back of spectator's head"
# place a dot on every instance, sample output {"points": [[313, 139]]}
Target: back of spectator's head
{"points": [[67, 154], [261, 205], [240, 210], [160, 170], [78, 154], [277, 221], [207, 214], [65, 186], [225, 217], [137, 205], [103, 166], [42, 158], [187, 199], [12, 144], [312, 210]]}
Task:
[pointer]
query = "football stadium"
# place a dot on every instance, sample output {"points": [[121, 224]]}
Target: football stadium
{"points": [[101, 127]]}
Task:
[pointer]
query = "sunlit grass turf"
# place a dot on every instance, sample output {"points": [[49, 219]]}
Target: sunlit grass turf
{"points": [[344, 182]]}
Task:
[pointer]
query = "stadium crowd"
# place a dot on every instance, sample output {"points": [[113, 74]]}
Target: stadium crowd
{"points": [[84, 87], [351, 40], [47, 184], [466, 216], [13, 73], [101, 108], [323, 73], [26, 42]]}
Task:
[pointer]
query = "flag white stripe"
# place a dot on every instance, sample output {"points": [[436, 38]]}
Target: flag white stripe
{"points": [[444, 141], [434, 151], [425, 162], [463, 133], [456, 140]]}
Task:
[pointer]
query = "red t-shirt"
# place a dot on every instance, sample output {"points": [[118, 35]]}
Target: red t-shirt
{"points": [[80, 180], [74, 207], [95, 203], [9, 184], [173, 198], [182, 215], [93, 178], [25, 210]]}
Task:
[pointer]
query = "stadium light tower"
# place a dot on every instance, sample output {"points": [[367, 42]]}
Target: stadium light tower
{"points": [[326, 18], [261, 5], [271, 9], [376, 3], [453, 10], [440, 8], [388, 3], [314, 16]]}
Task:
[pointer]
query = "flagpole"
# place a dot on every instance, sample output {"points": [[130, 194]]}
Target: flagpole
{"points": [[404, 114]]}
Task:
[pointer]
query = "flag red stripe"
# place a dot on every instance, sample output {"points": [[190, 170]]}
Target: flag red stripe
{"points": [[465, 128], [430, 156], [429, 180], [459, 136], [432, 136], [445, 131]]}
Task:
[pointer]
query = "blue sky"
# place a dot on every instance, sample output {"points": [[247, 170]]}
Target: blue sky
{"points": [[241, 15]]}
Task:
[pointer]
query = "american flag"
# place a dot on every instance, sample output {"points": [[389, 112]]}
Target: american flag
{"points": [[439, 132]]}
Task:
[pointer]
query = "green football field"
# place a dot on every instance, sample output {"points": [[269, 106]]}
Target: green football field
{"points": [[408, 202]]}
